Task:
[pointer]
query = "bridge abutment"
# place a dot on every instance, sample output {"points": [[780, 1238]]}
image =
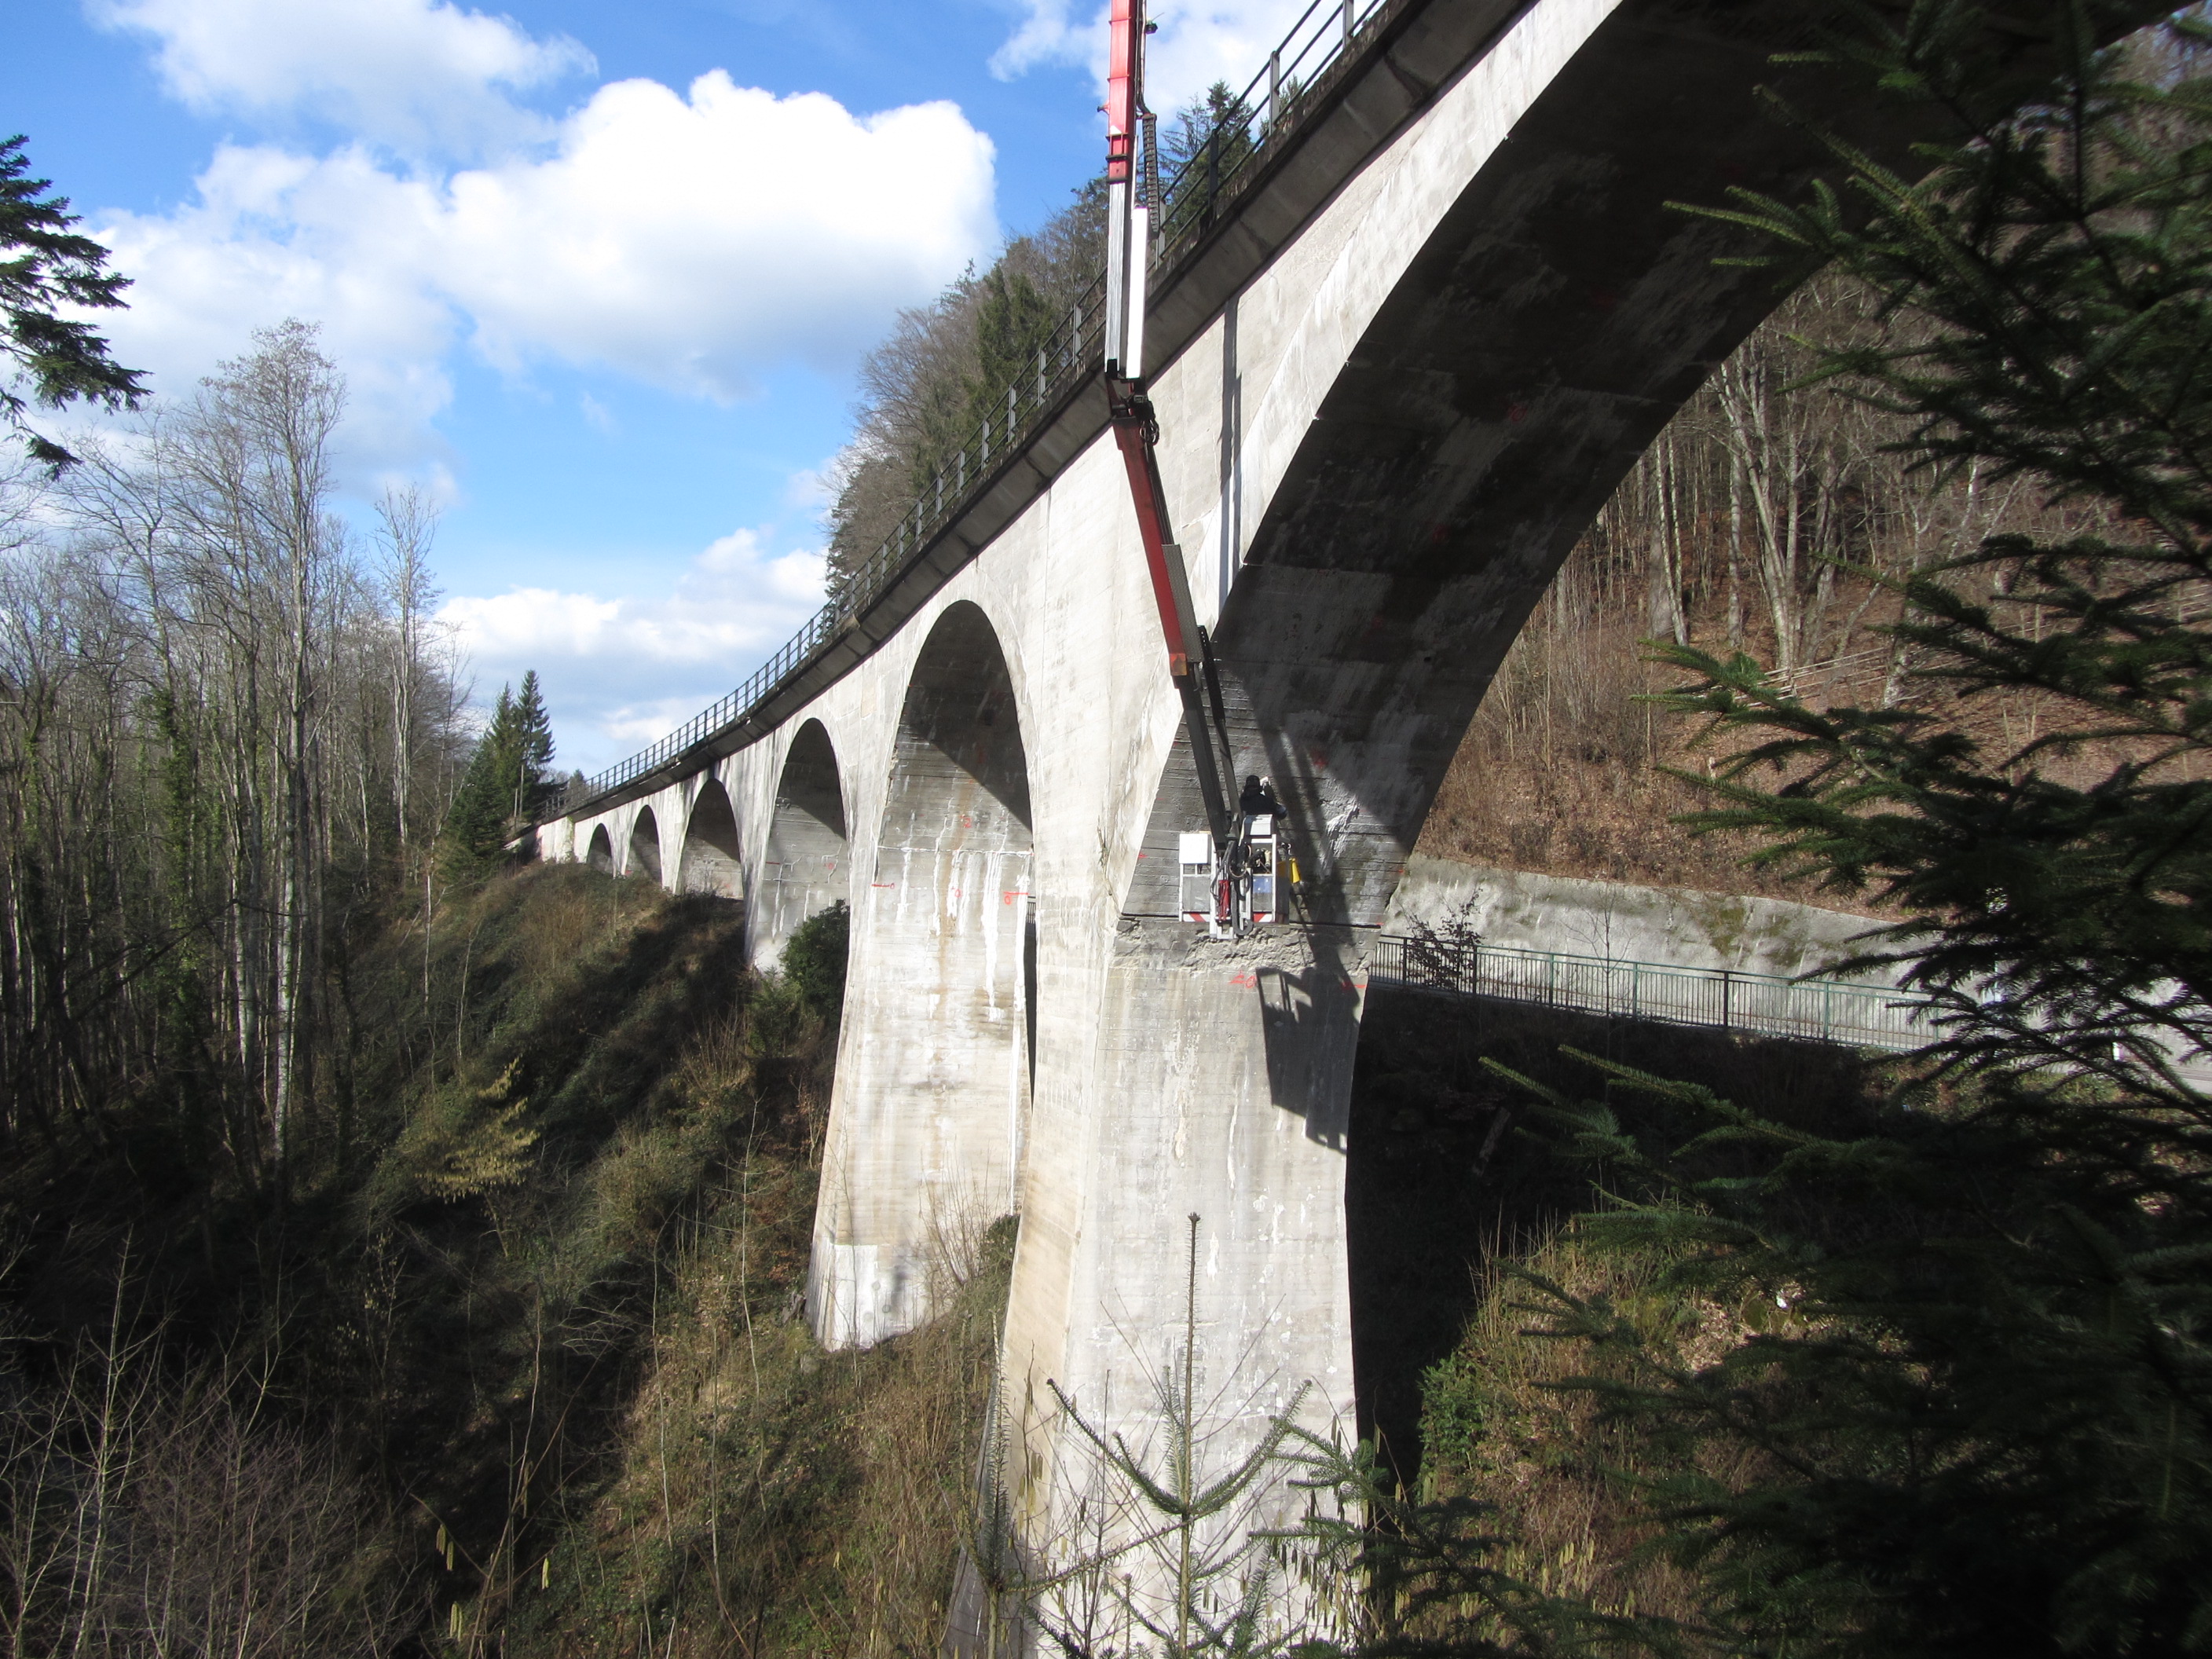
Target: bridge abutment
{"points": [[1218, 1085]]}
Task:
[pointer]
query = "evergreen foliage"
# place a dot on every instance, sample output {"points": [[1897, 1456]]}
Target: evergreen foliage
{"points": [[2053, 278], [1201, 147], [509, 777], [814, 960], [1013, 320], [1976, 1416], [46, 268]]}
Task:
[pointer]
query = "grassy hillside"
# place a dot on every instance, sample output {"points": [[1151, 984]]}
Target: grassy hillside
{"points": [[531, 1329]]}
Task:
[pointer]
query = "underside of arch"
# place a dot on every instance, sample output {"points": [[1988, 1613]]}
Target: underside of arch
{"points": [[600, 855], [644, 853], [711, 862], [808, 864], [932, 1090], [1558, 315]]}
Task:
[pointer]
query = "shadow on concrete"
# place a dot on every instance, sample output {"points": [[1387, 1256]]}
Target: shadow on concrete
{"points": [[1309, 1022], [711, 861], [959, 714], [644, 847]]}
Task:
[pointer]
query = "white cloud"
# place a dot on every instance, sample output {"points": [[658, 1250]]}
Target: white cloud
{"points": [[336, 240], [621, 672], [686, 239], [411, 73], [1199, 42], [1049, 32], [690, 242]]}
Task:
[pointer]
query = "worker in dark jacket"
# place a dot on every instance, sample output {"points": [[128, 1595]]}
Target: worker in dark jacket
{"points": [[1258, 800]]}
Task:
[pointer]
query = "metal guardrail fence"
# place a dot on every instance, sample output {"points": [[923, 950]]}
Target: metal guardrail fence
{"points": [[1321, 37], [1821, 1010]]}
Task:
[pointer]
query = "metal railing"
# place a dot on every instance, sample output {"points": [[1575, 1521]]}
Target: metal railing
{"points": [[1323, 36], [1767, 1004], [1314, 44]]}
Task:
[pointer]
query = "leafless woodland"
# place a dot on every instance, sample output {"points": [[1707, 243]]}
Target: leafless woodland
{"points": [[1766, 518], [224, 718]]}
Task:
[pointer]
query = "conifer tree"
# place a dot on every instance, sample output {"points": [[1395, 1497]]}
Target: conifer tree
{"points": [[46, 268], [533, 745], [1975, 1415], [506, 782]]}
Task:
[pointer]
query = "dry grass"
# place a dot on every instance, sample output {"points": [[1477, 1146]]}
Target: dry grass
{"points": [[1561, 769], [1499, 1428], [772, 1498], [665, 1460]]}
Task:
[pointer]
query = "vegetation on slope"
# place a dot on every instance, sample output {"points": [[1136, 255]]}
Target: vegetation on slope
{"points": [[536, 1345]]}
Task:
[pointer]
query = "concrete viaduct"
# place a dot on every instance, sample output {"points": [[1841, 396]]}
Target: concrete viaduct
{"points": [[1396, 375]]}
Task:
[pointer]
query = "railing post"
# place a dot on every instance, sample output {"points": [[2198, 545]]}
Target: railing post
{"points": [[1635, 969], [1275, 88], [1727, 983], [1348, 5], [1041, 379]]}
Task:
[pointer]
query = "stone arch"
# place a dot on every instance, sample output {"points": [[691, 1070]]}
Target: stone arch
{"points": [[932, 1090], [710, 861], [644, 852], [808, 864], [1414, 472], [600, 855]]}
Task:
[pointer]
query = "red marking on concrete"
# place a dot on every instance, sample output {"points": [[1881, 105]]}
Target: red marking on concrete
{"points": [[1243, 979], [883, 884]]}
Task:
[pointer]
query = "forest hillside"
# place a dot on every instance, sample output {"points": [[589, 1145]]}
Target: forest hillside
{"points": [[526, 1370], [1772, 518]]}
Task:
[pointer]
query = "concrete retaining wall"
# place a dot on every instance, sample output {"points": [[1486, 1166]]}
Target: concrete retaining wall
{"points": [[1680, 926]]}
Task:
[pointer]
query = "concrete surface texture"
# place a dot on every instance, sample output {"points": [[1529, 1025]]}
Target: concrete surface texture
{"points": [[1395, 385], [1679, 926]]}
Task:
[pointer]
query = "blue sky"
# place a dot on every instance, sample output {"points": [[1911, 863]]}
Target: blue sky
{"points": [[599, 276]]}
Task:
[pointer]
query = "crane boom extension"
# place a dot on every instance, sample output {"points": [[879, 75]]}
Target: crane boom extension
{"points": [[1128, 251], [1188, 649]]}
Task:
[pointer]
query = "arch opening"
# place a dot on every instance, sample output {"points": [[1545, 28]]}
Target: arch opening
{"points": [[933, 1078], [808, 867], [600, 855], [710, 861], [644, 859]]}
